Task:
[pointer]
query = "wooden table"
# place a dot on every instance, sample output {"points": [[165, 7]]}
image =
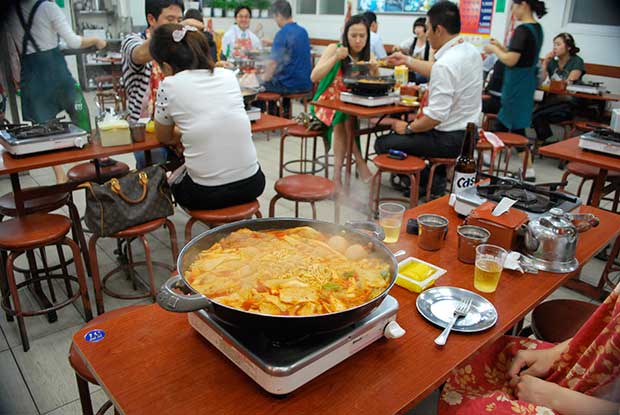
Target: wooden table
{"points": [[270, 123], [569, 150], [598, 97], [152, 361], [359, 111]]}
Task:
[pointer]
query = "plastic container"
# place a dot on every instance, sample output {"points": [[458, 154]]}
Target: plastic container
{"points": [[416, 275]]}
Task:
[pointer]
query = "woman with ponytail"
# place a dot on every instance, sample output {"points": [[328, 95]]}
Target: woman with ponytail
{"points": [[561, 64], [200, 109], [521, 73]]}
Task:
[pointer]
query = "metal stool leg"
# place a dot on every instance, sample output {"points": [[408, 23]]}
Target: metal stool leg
{"points": [[65, 272], [84, 393], [17, 306], [149, 267], [79, 270], [92, 254]]}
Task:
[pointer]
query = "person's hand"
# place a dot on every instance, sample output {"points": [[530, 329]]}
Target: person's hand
{"points": [[536, 362], [100, 44], [549, 56], [267, 42], [193, 22], [496, 42], [537, 391], [342, 52], [349, 7], [397, 58], [489, 49], [400, 127]]}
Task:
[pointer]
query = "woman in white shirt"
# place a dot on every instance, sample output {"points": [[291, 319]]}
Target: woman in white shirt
{"points": [[239, 38], [418, 47], [205, 105]]}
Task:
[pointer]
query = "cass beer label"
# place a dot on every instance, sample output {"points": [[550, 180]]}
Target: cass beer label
{"points": [[462, 181]]}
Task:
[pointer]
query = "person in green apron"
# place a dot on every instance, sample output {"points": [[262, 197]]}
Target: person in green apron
{"points": [[521, 72], [46, 85], [335, 63]]}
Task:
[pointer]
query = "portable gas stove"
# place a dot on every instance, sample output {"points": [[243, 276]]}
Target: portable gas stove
{"points": [[280, 368], [533, 199], [602, 141], [22, 139], [253, 113], [370, 101]]}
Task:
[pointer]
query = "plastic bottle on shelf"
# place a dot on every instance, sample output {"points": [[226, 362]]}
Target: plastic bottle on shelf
{"points": [[81, 116]]}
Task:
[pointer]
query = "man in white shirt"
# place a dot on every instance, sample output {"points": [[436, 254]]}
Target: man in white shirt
{"points": [[454, 92], [376, 44]]}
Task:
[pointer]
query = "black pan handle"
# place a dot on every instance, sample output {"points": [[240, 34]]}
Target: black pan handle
{"points": [[169, 300], [376, 230]]}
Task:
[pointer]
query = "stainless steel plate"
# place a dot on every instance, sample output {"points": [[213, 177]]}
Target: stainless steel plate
{"points": [[437, 306]]}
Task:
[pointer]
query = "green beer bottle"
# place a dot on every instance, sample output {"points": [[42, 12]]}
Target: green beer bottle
{"points": [[81, 117]]}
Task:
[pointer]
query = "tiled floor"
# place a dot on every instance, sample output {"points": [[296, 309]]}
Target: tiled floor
{"points": [[41, 380]]}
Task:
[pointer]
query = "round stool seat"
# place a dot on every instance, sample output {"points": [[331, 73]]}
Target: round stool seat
{"points": [[409, 165], [511, 139], [439, 160], [300, 131], [587, 171], [590, 125], [226, 215], [557, 320], [140, 229], [86, 172], [268, 96], [296, 95], [305, 187], [46, 203], [76, 361], [33, 230]]}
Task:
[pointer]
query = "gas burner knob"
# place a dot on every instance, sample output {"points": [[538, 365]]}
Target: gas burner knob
{"points": [[393, 330]]}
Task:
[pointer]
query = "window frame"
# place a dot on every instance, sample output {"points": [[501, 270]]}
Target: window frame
{"points": [[587, 29]]}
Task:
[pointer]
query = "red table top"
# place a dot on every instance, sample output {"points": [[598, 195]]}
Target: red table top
{"points": [[271, 122], [601, 97], [361, 111], [152, 361], [569, 150]]}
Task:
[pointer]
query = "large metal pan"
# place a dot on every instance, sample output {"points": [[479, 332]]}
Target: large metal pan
{"points": [[272, 325]]}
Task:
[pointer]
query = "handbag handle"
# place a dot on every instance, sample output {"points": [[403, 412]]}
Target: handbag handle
{"points": [[115, 186]]}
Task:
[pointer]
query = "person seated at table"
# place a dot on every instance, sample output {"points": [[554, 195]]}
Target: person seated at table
{"points": [[376, 43], [492, 103], [561, 64], [205, 104], [239, 39], [196, 15], [521, 71], [290, 63], [417, 47], [453, 95], [329, 70], [526, 376]]}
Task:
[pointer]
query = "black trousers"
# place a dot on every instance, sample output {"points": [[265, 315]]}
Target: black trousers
{"points": [[550, 114], [197, 197]]}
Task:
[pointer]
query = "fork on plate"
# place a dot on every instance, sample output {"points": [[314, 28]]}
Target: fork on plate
{"points": [[461, 310]]}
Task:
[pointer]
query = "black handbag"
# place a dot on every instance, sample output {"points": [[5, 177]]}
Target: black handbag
{"points": [[118, 204]]}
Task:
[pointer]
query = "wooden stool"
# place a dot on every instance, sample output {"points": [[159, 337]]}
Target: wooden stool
{"points": [[303, 96], [585, 125], [87, 172], [221, 216], [481, 147], [557, 320], [137, 231], [305, 135], [587, 172], [511, 141], [411, 166], [83, 375], [305, 188], [434, 163], [270, 97], [487, 118], [27, 233]]}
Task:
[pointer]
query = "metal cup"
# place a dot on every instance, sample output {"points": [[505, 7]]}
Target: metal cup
{"points": [[432, 231], [469, 238], [137, 130]]}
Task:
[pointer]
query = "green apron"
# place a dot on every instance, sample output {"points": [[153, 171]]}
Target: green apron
{"points": [[518, 91], [325, 83], [46, 85]]}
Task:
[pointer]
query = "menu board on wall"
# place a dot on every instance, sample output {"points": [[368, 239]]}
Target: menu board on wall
{"points": [[476, 17], [395, 6]]}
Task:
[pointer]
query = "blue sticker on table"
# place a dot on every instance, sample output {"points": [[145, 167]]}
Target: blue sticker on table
{"points": [[94, 336]]}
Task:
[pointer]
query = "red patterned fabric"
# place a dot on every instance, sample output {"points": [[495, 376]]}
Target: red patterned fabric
{"points": [[331, 93], [590, 365]]}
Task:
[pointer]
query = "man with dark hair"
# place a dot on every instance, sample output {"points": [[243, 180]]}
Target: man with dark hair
{"points": [[290, 63], [140, 77], [453, 96], [376, 44]]}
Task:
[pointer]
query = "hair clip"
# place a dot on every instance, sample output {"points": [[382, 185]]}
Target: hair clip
{"points": [[179, 34]]}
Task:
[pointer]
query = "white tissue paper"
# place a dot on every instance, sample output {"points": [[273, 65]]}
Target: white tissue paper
{"points": [[515, 261]]}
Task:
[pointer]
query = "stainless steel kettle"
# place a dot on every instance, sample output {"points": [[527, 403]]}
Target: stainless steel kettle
{"points": [[551, 240]]}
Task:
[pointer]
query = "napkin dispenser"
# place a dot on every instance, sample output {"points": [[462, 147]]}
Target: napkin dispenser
{"points": [[504, 228]]}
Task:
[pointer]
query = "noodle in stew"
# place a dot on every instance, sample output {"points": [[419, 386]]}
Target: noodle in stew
{"points": [[296, 272]]}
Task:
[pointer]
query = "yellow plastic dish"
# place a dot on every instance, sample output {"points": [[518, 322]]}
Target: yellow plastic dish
{"points": [[416, 275]]}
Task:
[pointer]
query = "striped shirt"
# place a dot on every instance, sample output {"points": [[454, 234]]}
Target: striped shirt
{"points": [[135, 78]]}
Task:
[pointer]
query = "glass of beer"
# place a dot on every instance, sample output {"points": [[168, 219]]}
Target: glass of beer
{"points": [[489, 266], [390, 219]]}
